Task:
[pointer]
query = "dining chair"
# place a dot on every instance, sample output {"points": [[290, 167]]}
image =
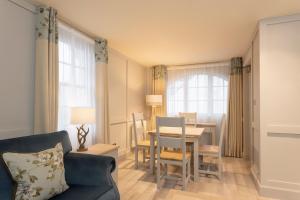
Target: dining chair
{"points": [[214, 152], [139, 136], [190, 118], [166, 157]]}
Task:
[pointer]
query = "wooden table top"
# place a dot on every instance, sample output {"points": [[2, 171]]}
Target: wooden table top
{"points": [[175, 132], [204, 124], [99, 149]]}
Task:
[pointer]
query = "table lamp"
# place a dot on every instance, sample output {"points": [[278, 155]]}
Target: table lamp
{"points": [[153, 101], [81, 115]]}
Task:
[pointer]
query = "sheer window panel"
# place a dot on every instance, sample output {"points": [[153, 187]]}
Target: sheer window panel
{"points": [[218, 93], [76, 79], [192, 94], [202, 80], [203, 93], [202, 89]]}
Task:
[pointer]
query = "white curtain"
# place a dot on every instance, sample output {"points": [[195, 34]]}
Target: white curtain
{"points": [[199, 88], [46, 71], [76, 79], [101, 55]]}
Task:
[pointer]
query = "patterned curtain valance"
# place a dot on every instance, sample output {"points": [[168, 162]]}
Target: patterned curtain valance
{"points": [[236, 65], [101, 53], [46, 26], [160, 72]]}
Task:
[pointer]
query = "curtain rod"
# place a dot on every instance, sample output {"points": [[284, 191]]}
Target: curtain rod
{"points": [[68, 23], [199, 63]]}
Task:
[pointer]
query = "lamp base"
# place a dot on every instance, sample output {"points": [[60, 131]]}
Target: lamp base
{"points": [[80, 149], [81, 136]]}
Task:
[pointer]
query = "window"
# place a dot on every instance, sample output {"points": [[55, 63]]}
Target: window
{"points": [[202, 90], [76, 78]]}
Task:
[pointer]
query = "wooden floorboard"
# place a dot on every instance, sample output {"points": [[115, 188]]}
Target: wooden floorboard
{"points": [[237, 184]]}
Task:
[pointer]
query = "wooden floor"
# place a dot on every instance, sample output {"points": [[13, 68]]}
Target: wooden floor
{"points": [[237, 184]]}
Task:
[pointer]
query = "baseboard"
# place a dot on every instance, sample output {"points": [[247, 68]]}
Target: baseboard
{"points": [[274, 192]]}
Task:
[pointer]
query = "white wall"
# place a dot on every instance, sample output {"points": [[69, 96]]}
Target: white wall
{"points": [[255, 115], [17, 47], [280, 108], [276, 108]]}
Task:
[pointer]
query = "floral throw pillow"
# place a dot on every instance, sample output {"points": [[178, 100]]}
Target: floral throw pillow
{"points": [[40, 175]]}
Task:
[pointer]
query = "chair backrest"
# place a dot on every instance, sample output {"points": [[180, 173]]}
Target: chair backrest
{"points": [[190, 117], [169, 141], [222, 132], [138, 127]]}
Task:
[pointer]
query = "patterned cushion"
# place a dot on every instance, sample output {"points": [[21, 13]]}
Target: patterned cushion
{"points": [[38, 175]]}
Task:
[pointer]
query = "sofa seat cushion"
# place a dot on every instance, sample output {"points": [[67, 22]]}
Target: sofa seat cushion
{"points": [[80, 192]]}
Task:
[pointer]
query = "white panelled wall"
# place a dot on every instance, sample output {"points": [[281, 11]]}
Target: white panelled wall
{"points": [[17, 51], [126, 94], [275, 107]]}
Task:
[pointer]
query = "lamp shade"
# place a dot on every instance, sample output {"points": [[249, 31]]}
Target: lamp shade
{"points": [[154, 100], [81, 115]]}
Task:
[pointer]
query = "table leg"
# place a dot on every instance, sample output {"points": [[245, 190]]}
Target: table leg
{"points": [[196, 159], [213, 135], [152, 158]]}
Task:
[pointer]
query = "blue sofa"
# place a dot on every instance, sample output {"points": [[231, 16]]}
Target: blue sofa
{"points": [[88, 176]]}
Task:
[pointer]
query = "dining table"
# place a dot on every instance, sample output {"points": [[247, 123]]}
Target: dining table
{"points": [[192, 134], [209, 127]]}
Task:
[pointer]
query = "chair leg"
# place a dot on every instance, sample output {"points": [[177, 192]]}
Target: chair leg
{"points": [[144, 155], [189, 170], [220, 168], [136, 155], [166, 169], [184, 175], [158, 175]]}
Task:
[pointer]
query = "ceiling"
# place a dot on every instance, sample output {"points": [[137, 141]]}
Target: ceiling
{"points": [[173, 31]]}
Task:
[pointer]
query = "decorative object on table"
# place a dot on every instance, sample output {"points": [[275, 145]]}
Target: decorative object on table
{"points": [[39, 175], [153, 101], [81, 115]]}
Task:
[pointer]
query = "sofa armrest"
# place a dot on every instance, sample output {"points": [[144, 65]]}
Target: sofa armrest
{"points": [[86, 169]]}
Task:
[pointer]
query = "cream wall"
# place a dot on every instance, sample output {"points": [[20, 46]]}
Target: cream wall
{"points": [[17, 39], [126, 89]]}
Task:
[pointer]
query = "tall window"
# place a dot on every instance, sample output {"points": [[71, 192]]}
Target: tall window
{"points": [[76, 78], [201, 89]]}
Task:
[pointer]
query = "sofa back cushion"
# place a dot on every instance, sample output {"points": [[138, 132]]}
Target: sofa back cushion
{"points": [[28, 144]]}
